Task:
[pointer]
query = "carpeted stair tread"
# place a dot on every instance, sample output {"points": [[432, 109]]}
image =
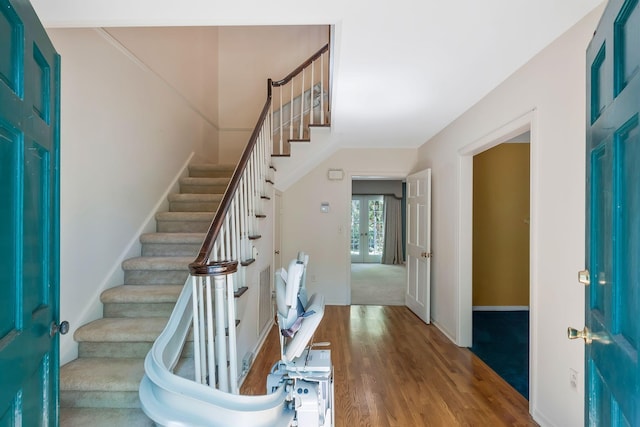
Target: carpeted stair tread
{"points": [[184, 216], [157, 263], [184, 221], [121, 329], [102, 374], [211, 170], [197, 180], [194, 202], [141, 294], [195, 197], [172, 244], [203, 185], [104, 417], [171, 238]]}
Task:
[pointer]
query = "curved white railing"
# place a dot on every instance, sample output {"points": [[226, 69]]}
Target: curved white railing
{"points": [[171, 400]]}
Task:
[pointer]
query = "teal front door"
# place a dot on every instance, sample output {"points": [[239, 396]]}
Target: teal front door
{"points": [[613, 219], [29, 223]]}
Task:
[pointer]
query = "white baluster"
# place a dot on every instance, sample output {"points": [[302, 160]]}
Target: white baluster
{"points": [[214, 253], [270, 115], [256, 187], [281, 131], [227, 245], [301, 129], [235, 241], [311, 103], [221, 344], [322, 89], [211, 360], [247, 197], [195, 282], [291, 110], [203, 326], [233, 353], [251, 195], [243, 223]]}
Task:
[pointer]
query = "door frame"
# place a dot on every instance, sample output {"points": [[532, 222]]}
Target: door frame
{"points": [[351, 175], [517, 126]]}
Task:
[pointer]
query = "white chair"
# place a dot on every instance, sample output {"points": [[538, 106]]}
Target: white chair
{"points": [[298, 317]]}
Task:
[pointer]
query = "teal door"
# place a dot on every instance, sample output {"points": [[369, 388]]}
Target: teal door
{"points": [[29, 238], [613, 219]]}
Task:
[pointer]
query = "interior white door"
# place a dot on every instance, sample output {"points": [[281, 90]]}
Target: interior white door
{"points": [[418, 293]]}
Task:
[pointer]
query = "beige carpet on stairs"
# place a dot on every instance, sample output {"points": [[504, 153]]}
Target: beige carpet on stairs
{"points": [[377, 284]]}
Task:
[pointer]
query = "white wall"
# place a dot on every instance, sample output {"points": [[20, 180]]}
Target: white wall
{"points": [[325, 236], [248, 56], [125, 137], [552, 84], [186, 58]]}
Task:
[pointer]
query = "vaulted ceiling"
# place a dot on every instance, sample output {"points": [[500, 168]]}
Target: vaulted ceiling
{"points": [[403, 70]]}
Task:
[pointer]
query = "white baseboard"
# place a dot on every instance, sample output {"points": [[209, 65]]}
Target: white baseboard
{"points": [[444, 332], [500, 308]]}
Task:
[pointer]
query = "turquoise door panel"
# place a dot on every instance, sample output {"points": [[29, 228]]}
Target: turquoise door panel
{"points": [[613, 218], [29, 219]]}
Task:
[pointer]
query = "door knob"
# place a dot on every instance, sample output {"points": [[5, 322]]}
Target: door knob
{"points": [[63, 328], [583, 277], [277, 252], [585, 334]]}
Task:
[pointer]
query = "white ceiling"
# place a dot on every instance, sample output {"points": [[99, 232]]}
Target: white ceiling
{"points": [[403, 70]]}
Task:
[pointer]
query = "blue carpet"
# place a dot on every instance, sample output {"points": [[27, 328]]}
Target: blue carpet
{"points": [[501, 340]]}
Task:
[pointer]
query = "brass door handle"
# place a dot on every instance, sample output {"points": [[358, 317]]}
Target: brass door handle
{"points": [[583, 277], [585, 334]]}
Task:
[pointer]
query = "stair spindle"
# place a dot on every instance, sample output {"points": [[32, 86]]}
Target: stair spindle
{"points": [[211, 359], [301, 129]]}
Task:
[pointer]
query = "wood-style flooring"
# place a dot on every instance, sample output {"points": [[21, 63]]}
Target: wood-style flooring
{"points": [[390, 369]]}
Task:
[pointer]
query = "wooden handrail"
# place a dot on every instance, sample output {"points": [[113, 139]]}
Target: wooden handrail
{"points": [[302, 66], [201, 266]]}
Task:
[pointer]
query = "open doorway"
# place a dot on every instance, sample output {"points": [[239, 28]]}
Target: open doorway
{"points": [[500, 279], [378, 273], [527, 122]]}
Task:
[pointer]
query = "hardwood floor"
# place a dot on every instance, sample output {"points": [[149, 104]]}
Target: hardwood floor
{"points": [[391, 369]]}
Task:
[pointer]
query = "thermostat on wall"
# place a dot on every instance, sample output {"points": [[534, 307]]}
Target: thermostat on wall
{"points": [[324, 207]]}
